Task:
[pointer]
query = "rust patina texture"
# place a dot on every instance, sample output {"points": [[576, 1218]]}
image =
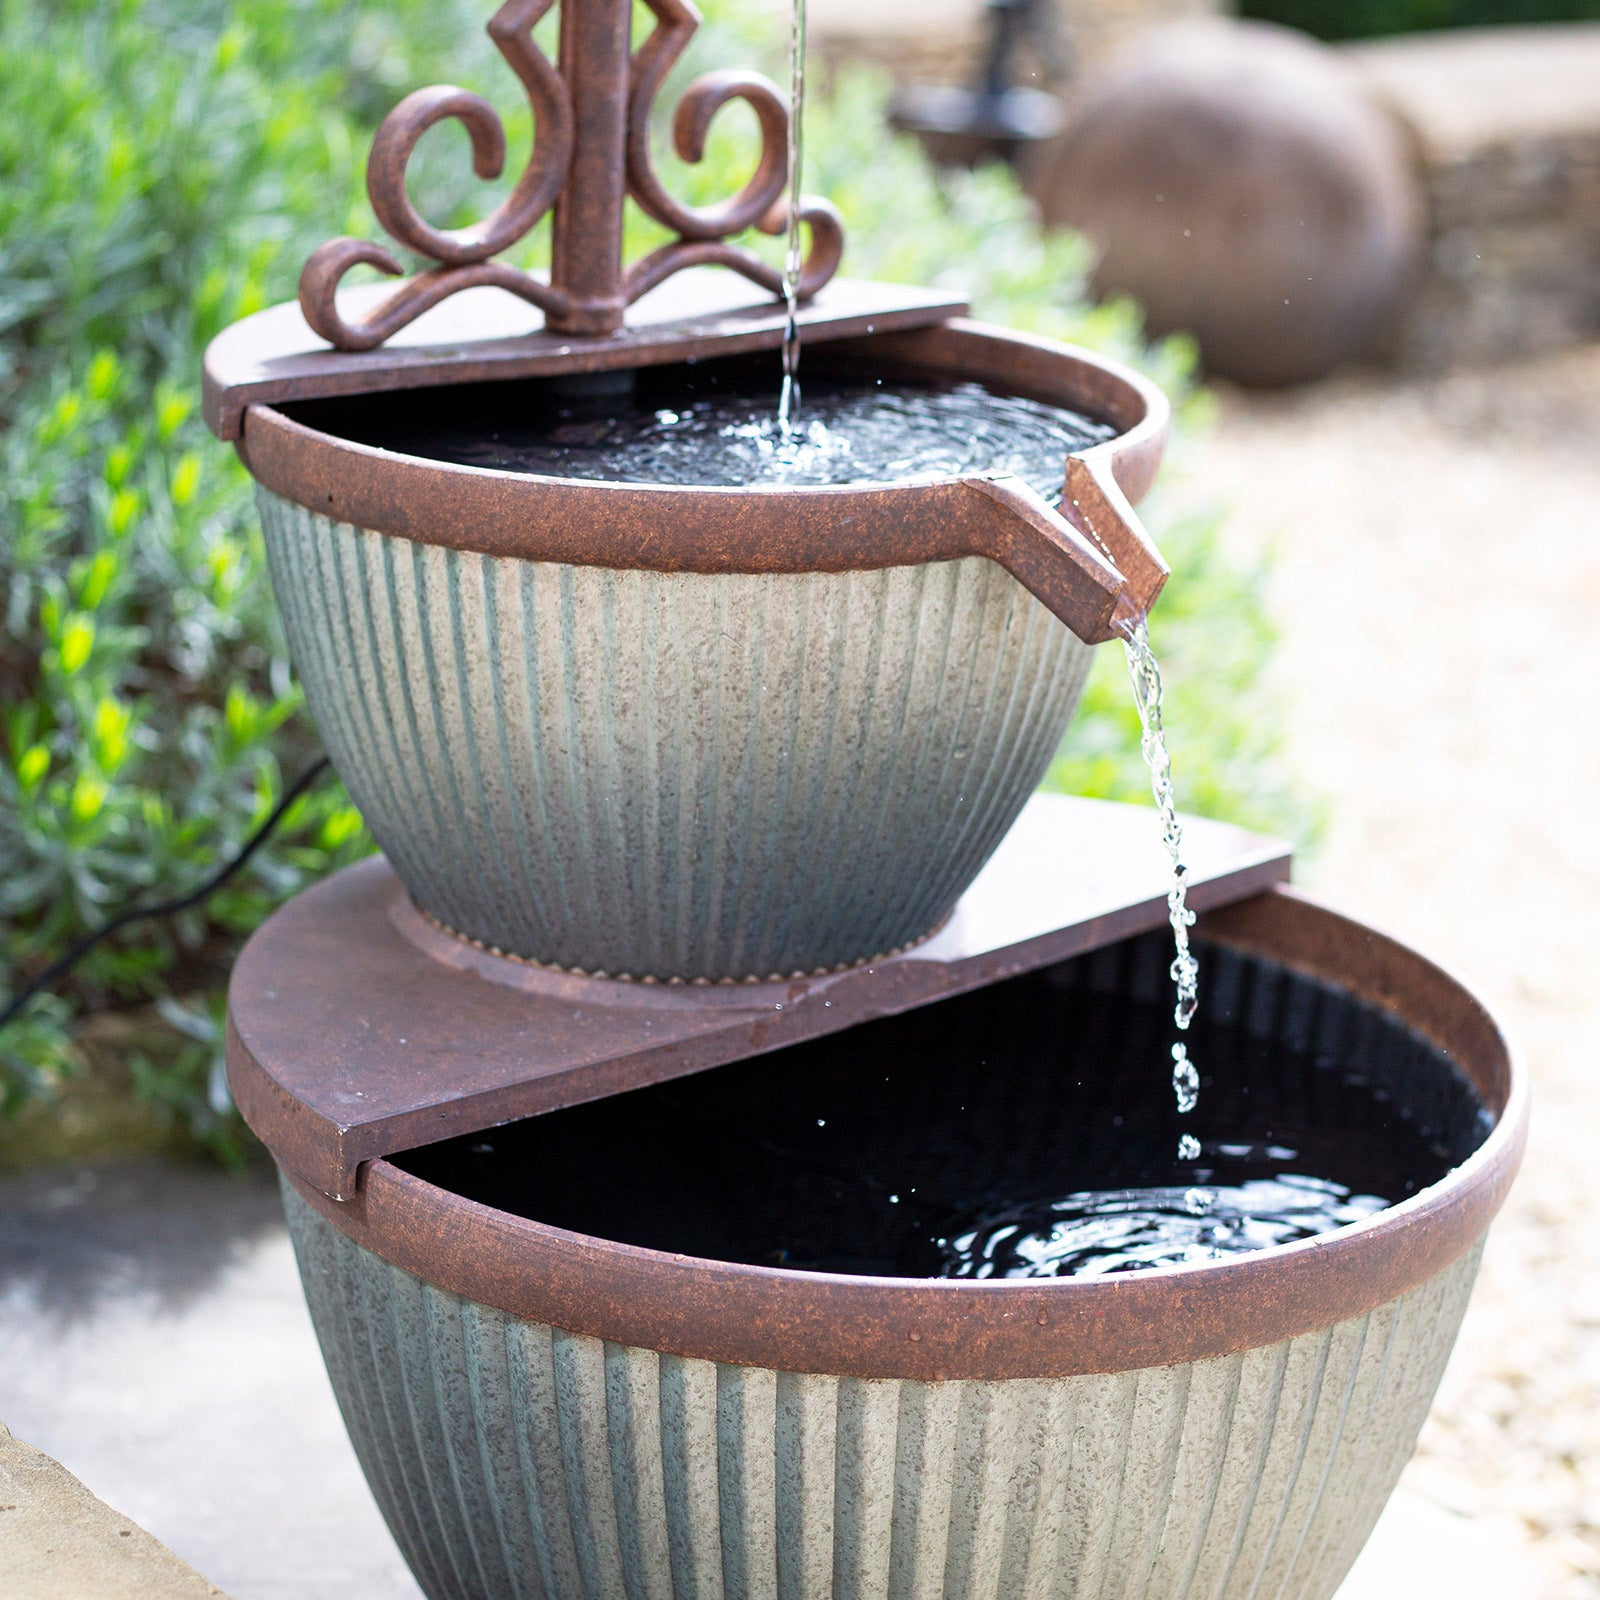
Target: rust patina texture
{"points": [[481, 336]]}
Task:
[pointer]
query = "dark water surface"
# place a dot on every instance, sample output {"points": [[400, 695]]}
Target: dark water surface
{"points": [[1025, 1130], [716, 425]]}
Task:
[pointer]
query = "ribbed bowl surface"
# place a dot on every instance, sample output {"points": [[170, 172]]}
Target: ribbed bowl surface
{"points": [[673, 774], [516, 1460]]}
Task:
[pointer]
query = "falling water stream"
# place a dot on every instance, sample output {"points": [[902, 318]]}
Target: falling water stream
{"points": [[789, 394], [1103, 1230], [1145, 672], [1143, 668]]}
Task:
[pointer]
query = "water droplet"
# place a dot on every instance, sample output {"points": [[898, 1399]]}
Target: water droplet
{"points": [[1185, 1080]]}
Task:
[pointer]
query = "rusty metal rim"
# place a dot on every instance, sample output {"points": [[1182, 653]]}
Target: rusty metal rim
{"points": [[928, 1330], [1082, 562], [1047, 370]]}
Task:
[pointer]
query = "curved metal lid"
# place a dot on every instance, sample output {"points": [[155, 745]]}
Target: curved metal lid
{"points": [[357, 1028]]}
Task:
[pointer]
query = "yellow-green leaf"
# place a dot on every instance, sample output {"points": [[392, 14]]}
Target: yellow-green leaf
{"points": [[250, 299], [172, 410], [224, 562], [77, 640], [119, 158], [111, 723], [97, 579], [119, 461], [32, 767], [104, 373], [231, 45], [124, 509], [88, 796], [240, 713], [63, 418], [340, 827], [185, 479]]}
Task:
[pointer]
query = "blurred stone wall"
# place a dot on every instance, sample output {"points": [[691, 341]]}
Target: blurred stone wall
{"points": [[1506, 127], [1504, 124], [942, 41]]}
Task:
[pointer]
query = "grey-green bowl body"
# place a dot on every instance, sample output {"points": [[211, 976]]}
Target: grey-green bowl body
{"points": [[673, 774], [512, 1459]]}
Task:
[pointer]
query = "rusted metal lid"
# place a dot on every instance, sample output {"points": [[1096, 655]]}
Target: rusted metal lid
{"points": [[486, 333], [357, 1028]]}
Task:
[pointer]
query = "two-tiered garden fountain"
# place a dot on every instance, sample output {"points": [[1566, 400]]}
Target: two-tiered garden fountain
{"points": [[727, 1135]]}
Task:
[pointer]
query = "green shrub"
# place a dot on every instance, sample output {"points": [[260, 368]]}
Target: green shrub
{"points": [[165, 165], [1366, 19], [154, 185]]}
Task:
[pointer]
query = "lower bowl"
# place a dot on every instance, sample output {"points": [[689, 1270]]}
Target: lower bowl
{"points": [[542, 1410]]}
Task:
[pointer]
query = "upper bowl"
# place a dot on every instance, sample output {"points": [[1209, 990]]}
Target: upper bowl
{"points": [[702, 733]]}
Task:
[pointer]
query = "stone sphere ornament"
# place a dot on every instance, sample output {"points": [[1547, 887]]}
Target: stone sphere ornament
{"points": [[1238, 182]]}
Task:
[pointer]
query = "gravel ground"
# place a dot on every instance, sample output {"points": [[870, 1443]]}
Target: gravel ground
{"points": [[1437, 579]]}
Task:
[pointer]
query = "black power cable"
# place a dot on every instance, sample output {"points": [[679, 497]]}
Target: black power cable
{"points": [[64, 964]]}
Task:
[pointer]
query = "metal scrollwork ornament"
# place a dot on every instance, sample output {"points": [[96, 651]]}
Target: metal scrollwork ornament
{"points": [[591, 150]]}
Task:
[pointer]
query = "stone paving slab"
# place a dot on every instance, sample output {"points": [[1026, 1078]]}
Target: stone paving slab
{"points": [[153, 1339], [58, 1540]]}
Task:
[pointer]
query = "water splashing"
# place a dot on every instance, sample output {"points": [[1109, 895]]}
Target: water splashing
{"points": [[1098, 1231], [789, 396], [1145, 672]]}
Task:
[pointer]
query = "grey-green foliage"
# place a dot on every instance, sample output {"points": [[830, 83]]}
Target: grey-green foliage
{"points": [[165, 165]]}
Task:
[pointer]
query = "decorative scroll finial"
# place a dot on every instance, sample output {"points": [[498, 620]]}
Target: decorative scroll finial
{"points": [[591, 150]]}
